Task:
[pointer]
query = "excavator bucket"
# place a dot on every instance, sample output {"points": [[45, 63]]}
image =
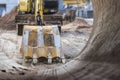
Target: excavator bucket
{"points": [[44, 41]]}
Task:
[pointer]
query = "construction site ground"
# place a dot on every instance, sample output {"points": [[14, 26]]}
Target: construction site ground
{"points": [[73, 42], [73, 38]]}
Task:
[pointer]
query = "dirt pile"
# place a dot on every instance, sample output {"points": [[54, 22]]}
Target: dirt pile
{"points": [[8, 21], [82, 23], [75, 25]]}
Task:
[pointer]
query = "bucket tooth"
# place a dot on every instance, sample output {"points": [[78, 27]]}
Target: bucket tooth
{"points": [[56, 60], [28, 59]]}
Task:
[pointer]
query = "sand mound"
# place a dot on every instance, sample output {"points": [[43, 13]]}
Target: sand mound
{"points": [[8, 21], [82, 23], [77, 24]]}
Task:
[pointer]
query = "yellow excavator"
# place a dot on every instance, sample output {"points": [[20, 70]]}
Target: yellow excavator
{"points": [[51, 12], [40, 40]]}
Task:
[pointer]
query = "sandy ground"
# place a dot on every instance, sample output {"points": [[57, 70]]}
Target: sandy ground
{"points": [[74, 41], [72, 44]]}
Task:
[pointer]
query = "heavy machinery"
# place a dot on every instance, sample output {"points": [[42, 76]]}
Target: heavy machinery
{"points": [[42, 44], [51, 11], [43, 39]]}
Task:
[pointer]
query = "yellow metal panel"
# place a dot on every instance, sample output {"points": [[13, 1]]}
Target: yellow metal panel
{"points": [[28, 27], [29, 52], [23, 5], [39, 7], [80, 2], [29, 4], [55, 52], [42, 52]]}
